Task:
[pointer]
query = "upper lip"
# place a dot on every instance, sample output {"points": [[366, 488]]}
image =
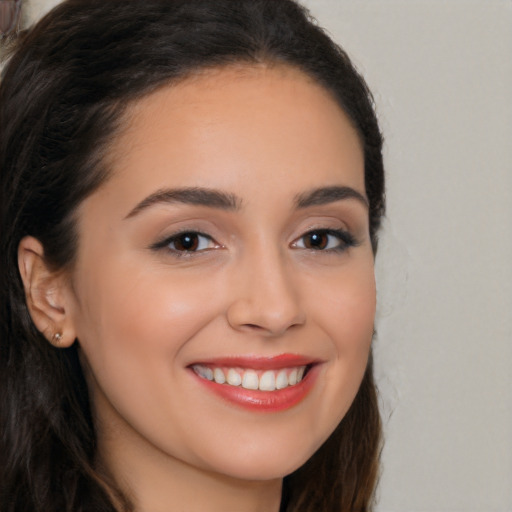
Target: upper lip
{"points": [[260, 363]]}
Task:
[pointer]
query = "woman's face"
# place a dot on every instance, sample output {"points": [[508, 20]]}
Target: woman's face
{"points": [[230, 244]]}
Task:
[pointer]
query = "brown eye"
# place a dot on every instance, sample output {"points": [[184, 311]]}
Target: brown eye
{"points": [[185, 242], [327, 240], [316, 240]]}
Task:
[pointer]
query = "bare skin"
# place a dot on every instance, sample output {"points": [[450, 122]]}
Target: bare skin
{"points": [[276, 261]]}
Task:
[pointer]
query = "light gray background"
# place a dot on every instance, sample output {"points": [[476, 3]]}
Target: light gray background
{"points": [[441, 72]]}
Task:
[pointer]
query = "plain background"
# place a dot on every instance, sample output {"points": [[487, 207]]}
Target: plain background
{"points": [[441, 73]]}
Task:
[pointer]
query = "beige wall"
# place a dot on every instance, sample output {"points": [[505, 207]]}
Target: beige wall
{"points": [[442, 76]]}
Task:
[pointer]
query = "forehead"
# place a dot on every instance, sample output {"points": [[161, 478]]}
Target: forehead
{"points": [[223, 126]]}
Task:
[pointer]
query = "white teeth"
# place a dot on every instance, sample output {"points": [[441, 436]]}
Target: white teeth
{"points": [[268, 381], [203, 371], [281, 380], [219, 376], [250, 380], [234, 378]]}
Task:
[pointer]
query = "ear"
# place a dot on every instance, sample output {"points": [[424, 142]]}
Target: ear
{"points": [[47, 294]]}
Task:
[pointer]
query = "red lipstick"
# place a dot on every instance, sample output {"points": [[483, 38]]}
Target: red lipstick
{"points": [[300, 370]]}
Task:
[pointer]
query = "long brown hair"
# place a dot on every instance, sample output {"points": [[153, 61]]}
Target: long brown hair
{"points": [[61, 100]]}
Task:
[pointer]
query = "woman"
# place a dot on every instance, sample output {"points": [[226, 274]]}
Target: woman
{"points": [[191, 193]]}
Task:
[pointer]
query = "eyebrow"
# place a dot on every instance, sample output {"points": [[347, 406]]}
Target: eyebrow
{"points": [[193, 195], [226, 201], [326, 195]]}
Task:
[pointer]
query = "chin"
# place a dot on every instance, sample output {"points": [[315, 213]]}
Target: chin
{"points": [[261, 461]]}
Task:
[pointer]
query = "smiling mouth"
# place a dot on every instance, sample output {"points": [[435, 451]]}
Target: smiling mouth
{"points": [[251, 379], [260, 384]]}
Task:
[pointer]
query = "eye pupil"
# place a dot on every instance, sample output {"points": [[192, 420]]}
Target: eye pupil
{"points": [[316, 240], [186, 242]]}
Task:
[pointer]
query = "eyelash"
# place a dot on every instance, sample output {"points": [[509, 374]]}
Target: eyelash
{"points": [[344, 241], [173, 239]]}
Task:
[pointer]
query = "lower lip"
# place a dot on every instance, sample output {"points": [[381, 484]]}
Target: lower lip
{"points": [[263, 401]]}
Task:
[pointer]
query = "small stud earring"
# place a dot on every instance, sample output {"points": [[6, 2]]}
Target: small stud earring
{"points": [[57, 338]]}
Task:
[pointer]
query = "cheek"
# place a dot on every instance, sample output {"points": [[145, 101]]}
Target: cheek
{"points": [[132, 330], [347, 315], [129, 306], [347, 307], [132, 333]]}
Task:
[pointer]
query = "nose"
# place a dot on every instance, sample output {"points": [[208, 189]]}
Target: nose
{"points": [[266, 297]]}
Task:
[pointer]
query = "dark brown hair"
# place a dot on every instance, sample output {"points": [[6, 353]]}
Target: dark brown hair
{"points": [[62, 97]]}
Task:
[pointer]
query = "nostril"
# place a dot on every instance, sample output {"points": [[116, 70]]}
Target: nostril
{"points": [[254, 326]]}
